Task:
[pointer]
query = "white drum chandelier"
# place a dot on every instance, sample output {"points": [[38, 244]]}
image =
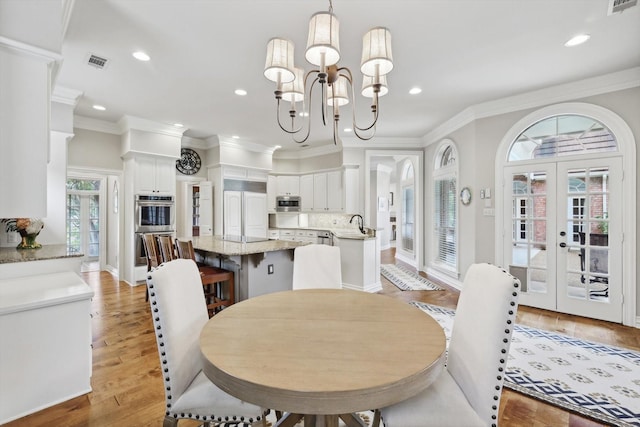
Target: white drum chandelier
{"points": [[336, 83]]}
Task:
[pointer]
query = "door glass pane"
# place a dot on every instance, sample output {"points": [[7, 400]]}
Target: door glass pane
{"points": [[588, 252], [407, 218], [529, 225]]}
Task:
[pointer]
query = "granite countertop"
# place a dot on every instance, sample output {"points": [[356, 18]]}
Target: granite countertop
{"points": [[216, 244], [9, 255], [342, 233]]}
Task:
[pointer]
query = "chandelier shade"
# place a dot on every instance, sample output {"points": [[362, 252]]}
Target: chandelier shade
{"points": [[376, 52], [294, 91], [338, 92], [323, 43], [368, 89], [279, 65]]}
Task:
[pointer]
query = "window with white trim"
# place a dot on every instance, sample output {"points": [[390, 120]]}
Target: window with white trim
{"points": [[445, 205]]}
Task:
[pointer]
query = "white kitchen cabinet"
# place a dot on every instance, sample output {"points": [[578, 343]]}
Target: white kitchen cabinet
{"points": [[289, 235], [309, 236], [328, 192], [245, 214], [306, 193], [352, 191], [334, 191], [206, 208], [155, 175], [255, 215], [234, 172], [272, 190], [25, 100], [45, 356], [288, 185]]}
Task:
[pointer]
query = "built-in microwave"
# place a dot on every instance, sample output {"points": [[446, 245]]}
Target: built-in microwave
{"points": [[155, 214], [288, 204]]}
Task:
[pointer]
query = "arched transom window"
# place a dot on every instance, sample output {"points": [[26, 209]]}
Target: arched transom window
{"points": [[563, 135]]}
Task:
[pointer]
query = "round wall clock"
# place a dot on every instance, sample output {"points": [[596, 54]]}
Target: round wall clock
{"points": [[465, 196], [189, 162]]}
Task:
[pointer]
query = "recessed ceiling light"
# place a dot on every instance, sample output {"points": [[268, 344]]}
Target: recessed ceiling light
{"points": [[415, 90], [348, 130], [241, 92], [178, 125], [235, 137], [576, 40], [99, 107], [141, 56]]}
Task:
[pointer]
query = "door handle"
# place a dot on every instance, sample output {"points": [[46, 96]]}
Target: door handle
{"points": [[563, 245], [563, 233]]}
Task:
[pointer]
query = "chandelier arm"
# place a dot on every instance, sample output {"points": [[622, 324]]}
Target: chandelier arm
{"points": [[364, 138], [375, 115], [308, 118], [292, 131], [349, 77]]}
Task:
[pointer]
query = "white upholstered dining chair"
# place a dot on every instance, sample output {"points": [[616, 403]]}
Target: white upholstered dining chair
{"points": [[467, 393], [179, 312], [317, 266]]}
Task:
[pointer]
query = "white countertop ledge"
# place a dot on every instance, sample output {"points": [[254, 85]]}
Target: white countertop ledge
{"points": [[43, 290]]}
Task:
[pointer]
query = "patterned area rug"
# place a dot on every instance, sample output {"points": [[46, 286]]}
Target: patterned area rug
{"points": [[366, 416], [407, 280], [599, 381]]}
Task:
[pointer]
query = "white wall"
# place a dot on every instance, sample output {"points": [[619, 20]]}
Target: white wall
{"points": [[94, 150]]}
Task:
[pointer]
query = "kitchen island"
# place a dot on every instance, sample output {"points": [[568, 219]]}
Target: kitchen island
{"points": [[45, 329], [260, 267]]}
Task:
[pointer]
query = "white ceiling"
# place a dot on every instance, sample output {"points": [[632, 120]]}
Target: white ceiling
{"points": [[460, 52]]}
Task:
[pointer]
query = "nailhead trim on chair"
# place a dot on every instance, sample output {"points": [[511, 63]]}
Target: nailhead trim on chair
{"points": [[163, 359], [505, 340]]}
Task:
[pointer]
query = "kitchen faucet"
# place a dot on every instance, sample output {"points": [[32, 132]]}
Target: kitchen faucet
{"points": [[360, 222]]}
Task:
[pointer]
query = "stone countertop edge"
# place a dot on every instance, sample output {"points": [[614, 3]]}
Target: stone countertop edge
{"points": [[46, 252], [215, 244], [342, 233]]}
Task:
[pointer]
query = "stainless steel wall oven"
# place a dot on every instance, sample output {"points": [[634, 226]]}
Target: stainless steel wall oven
{"points": [[155, 214]]}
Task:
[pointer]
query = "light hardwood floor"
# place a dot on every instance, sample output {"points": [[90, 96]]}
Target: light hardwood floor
{"points": [[128, 389]]}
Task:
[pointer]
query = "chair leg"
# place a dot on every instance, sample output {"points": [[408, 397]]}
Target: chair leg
{"points": [[170, 422], [376, 418]]}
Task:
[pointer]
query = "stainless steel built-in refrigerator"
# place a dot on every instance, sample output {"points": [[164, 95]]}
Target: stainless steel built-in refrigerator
{"points": [[245, 210]]}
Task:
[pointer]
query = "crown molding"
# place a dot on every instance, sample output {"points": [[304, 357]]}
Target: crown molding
{"points": [[127, 123], [310, 152], [621, 80], [89, 123], [382, 142], [245, 145], [29, 50], [64, 95]]}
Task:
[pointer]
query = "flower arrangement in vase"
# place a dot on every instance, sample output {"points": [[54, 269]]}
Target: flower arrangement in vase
{"points": [[28, 228]]}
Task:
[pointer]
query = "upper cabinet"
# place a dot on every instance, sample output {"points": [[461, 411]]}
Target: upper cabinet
{"points": [[333, 191], [288, 185], [306, 193], [244, 174], [328, 191], [155, 175], [25, 88], [272, 183]]}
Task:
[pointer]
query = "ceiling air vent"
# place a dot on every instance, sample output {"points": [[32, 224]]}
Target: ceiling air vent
{"points": [[97, 61], [617, 6]]}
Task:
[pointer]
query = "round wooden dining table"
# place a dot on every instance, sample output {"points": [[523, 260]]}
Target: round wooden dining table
{"points": [[326, 352]]}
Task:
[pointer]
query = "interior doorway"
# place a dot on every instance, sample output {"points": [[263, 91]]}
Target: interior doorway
{"points": [[399, 196]]}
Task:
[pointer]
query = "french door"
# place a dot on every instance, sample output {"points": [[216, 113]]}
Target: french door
{"points": [[563, 226], [83, 224]]}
